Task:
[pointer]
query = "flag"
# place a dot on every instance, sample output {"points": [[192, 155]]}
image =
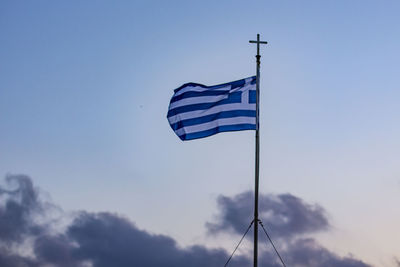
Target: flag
{"points": [[197, 111]]}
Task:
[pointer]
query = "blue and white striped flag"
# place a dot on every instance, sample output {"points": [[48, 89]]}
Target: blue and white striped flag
{"points": [[197, 111]]}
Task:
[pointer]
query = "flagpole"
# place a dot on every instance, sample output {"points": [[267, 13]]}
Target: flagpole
{"points": [[257, 166]]}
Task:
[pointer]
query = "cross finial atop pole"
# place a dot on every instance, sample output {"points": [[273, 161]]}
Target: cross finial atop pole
{"points": [[258, 42], [257, 167]]}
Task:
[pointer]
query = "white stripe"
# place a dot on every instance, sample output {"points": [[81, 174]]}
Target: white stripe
{"points": [[243, 88], [248, 80], [201, 89], [210, 99], [245, 97], [213, 110], [216, 123], [198, 100]]}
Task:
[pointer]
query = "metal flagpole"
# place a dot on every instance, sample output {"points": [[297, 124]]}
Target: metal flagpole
{"points": [[257, 171]]}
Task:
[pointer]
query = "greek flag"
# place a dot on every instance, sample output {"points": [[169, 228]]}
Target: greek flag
{"points": [[197, 111]]}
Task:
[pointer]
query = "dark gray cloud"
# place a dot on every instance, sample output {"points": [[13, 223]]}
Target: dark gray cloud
{"points": [[106, 239], [285, 215], [307, 252], [8, 259], [288, 219], [21, 204], [56, 249], [101, 239]]}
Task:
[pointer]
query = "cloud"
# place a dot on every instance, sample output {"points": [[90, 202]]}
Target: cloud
{"points": [[397, 261], [92, 239], [307, 252], [285, 215], [107, 239], [288, 219], [8, 259], [16, 215]]}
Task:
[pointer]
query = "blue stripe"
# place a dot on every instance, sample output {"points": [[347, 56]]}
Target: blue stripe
{"points": [[189, 84], [252, 96], [197, 94], [212, 117], [235, 97], [253, 80], [226, 128], [236, 84]]}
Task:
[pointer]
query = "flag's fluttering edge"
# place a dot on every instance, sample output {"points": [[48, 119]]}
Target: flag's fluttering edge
{"points": [[198, 111]]}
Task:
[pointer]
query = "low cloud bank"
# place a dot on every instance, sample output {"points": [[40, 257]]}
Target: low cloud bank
{"points": [[106, 239], [286, 215], [288, 220]]}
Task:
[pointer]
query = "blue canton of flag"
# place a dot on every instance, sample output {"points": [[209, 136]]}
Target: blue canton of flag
{"points": [[197, 111]]}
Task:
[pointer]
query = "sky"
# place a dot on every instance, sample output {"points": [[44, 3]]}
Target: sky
{"points": [[84, 93]]}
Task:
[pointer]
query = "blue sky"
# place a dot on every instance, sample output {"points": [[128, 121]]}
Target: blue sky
{"points": [[85, 87]]}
